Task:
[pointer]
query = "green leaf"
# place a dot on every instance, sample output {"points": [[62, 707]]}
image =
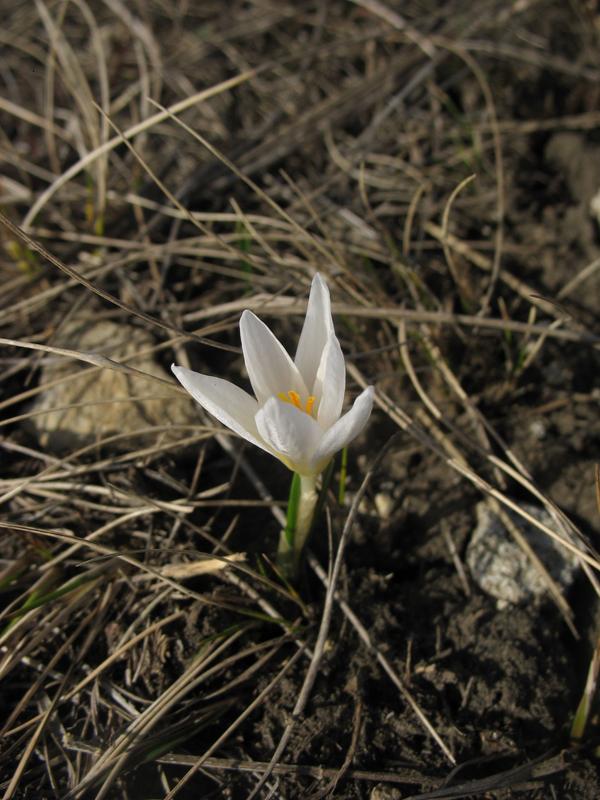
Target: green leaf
{"points": [[292, 510]]}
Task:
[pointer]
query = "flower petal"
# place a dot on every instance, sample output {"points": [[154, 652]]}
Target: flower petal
{"points": [[318, 326], [344, 430], [330, 383], [270, 368], [292, 434], [231, 405]]}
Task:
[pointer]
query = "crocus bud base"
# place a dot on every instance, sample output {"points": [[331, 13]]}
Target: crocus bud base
{"points": [[301, 512]]}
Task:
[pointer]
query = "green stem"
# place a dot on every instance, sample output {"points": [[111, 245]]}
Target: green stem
{"points": [[301, 512]]}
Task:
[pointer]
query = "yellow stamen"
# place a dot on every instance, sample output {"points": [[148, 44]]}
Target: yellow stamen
{"points": [[293, 398]]}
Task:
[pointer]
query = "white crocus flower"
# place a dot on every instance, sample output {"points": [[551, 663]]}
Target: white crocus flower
{"points": [[296, 414]]}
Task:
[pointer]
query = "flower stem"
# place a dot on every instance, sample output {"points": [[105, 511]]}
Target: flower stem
{"points": [[301, 511]]}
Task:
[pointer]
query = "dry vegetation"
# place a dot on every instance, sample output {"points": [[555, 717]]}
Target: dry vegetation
{"points": [[166, 165]]}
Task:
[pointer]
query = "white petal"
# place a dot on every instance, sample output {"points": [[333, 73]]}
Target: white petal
{"points": [[231, 405], [270, 368], [318, 325], [293, 435], [344, 430], [330, 384]]}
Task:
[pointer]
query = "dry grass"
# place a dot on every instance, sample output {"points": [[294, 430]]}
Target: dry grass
{"points": [[166, 167]]}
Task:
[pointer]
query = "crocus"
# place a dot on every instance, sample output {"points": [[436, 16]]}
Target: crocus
{"points": [[296, 412]]}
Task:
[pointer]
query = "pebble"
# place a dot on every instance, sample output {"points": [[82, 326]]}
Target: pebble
{"points": [[384, 504], [501, 568], [595, 206], [383, 792], [537, 429], [102, 414]]}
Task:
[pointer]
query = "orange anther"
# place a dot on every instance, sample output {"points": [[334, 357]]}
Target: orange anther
{"points": [[295, 399]]}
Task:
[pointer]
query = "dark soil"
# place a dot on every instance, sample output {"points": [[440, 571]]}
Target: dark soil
{"points": [[499, 686]]}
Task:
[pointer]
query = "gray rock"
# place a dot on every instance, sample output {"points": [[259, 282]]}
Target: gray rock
{"points": [[104, 393], [502, 569]]}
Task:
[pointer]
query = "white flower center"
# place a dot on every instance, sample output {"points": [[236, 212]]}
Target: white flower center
{"points": [[293, 398]]}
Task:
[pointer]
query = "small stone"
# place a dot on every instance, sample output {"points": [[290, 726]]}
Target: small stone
{"points": [[595, 206], [103, 408], [503, 570], [384, 504], [383, 792], [537, 428]]}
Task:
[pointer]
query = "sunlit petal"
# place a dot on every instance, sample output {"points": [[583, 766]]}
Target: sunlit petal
{"points": [[345, 429], [232, 406], [270, 368], [330, 383], [318, 325], [292, 434], [281, 419]]}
